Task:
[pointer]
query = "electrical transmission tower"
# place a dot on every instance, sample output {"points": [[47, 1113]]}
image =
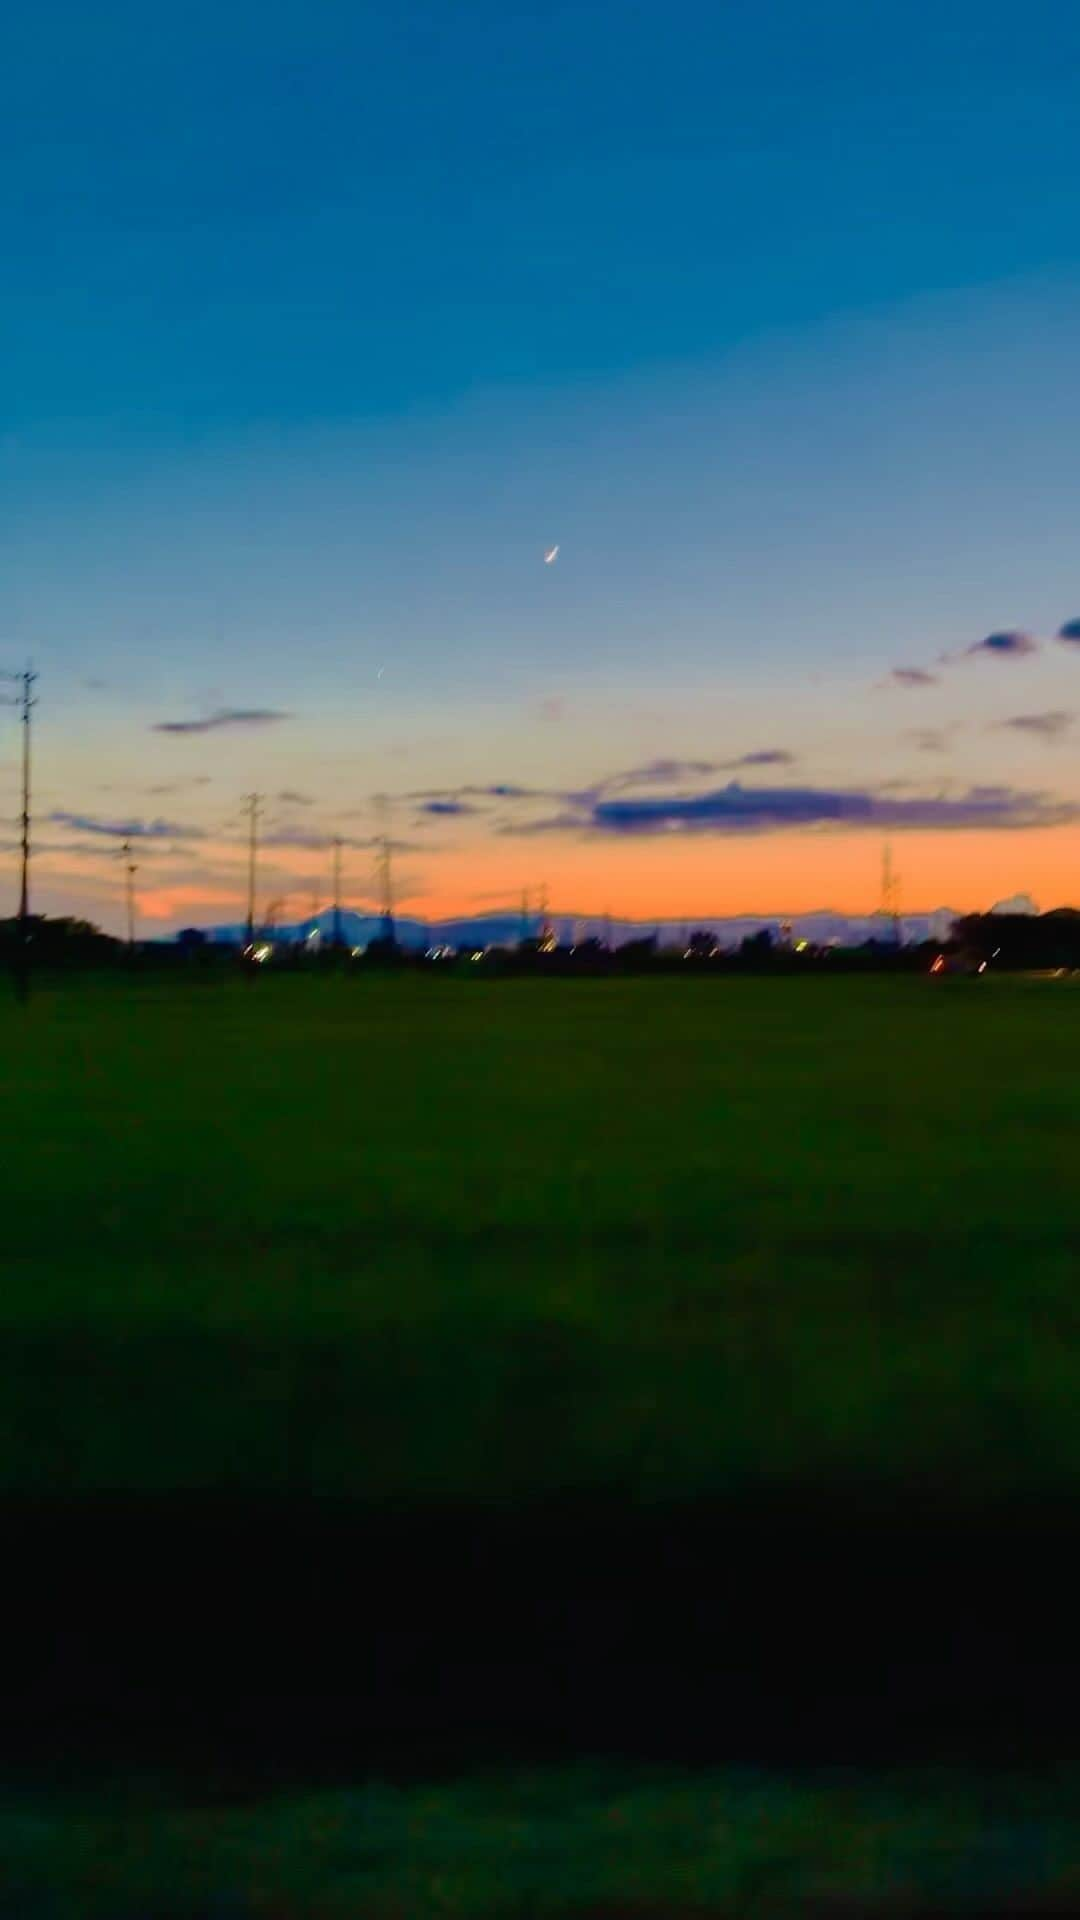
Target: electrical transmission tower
{"points": [[25, 700], [384, 871], [252, 807], [338, 942], [130, 870], [547, 931], [890, 893]]}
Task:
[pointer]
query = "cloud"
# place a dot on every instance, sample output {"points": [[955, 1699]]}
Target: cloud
{"points": [[1070, 631], [1050, 726], [910, 677], [224, 717], [127, 829], [662, 772], [444, 799], [159, 787], [1009, 644], [553, 709], [672, 772], [765, 757], [290, 799], [928, 739], [447, 808], [739, 809], [1016, 903], [556, 823]]}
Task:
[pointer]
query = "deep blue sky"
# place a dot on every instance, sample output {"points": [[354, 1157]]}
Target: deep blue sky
{"points": [[319, 323], [218, 215]]}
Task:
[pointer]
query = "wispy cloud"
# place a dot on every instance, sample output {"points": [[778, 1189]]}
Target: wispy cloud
{"points": [[224, 717], [672, 772], [1050, 725], [552, 709], [928, 739], [127, 829], [910, 677], [764, 757], [288, 798]]}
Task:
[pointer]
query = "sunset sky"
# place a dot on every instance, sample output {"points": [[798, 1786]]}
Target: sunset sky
{"points": [[321, 324]]}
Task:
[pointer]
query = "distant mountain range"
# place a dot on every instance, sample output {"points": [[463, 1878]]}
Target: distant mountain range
{"points": [[823, 927]]}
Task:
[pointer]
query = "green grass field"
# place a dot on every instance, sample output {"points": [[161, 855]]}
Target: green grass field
{"points": [[400, 1238], [588, 1841], [408, 1237]]}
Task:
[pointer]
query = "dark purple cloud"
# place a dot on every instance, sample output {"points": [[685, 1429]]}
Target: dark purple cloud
{"points": [[446, 809], [911, 677], [1010, 644], [1050, 725], [127, 829], [739, 809], [224, 717], [1070, 631]]}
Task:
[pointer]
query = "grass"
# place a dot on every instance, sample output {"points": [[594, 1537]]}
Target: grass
{"points": [[393, 1238], [398, 1239], [584, 1841]]}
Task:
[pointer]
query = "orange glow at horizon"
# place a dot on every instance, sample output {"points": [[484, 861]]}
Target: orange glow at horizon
{"points": [[675, 876], [663, 877]]}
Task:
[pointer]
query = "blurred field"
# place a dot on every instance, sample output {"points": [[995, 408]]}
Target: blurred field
{"points": [[775, 1280], [401, 1237], [587, 1841]]}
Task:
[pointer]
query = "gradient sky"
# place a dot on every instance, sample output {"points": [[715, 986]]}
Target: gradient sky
{"points": [[319, 324]]}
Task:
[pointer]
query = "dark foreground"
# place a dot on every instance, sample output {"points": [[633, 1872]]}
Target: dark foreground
{"points": [[776, 1672], [252, 1645], [403, 1396]]}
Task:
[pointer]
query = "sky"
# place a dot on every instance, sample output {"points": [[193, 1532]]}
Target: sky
{"points": [[320, 325]]}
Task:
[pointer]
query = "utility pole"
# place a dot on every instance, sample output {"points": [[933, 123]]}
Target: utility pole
{"points": [[547, 934], [130, 870], [26, 701], [385, 873], [338, 942], [252, 804], [890, 892]]}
